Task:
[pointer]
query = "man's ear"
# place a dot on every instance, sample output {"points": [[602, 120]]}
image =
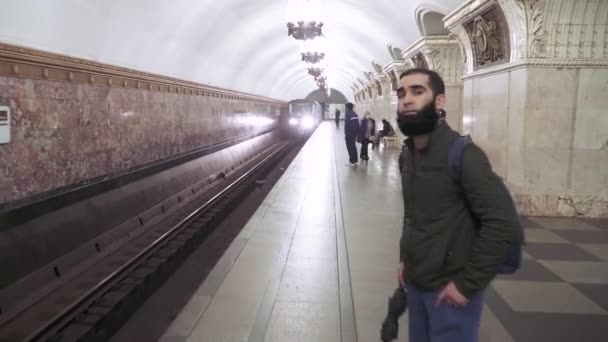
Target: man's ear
{"points": [[440, 101]]}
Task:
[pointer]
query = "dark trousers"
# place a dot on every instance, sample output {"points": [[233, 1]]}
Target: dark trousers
{"points": [[428, 323], [381, 134], [364, 144], [352, 148]]}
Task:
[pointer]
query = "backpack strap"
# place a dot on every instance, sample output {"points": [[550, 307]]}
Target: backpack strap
{"points": [[455, 155], [513, 259], [402, 157]]}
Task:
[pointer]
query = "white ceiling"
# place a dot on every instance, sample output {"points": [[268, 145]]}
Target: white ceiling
{"points": [[235, 44]]}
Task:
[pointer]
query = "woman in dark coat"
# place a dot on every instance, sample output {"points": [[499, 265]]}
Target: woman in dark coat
{"points": [[367, 130]]}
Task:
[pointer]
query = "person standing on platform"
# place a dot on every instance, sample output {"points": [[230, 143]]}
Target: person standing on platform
{"points": [[366, 133], [337, 118], [456, 232], [351, 131]]}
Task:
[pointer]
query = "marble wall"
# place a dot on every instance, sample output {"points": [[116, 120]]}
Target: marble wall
{"points": [[485, 115], [65, 133], [546, 132], [534, 97], [453, 106]]}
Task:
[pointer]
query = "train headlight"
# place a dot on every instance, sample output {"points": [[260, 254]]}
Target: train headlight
{"points": [[293, 121], [308, 122]]}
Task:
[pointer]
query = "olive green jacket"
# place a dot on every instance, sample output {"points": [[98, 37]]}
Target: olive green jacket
{"points": [[453, 229]]}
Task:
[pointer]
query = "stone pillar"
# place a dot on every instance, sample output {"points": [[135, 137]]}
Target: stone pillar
{"points": [[379, 82], [396, 68], [534, 98], [357, 98], [371, 98], [385, 111], [381, 93], [393, 70], [362, 95], [442, 54], [378, 96], [391, 98]]}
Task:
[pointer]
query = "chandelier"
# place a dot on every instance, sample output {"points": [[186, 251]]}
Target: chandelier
{"points": [[312, 57], [304, 19], [322, 82], [315, 72], [305, 24], [304, 31]]}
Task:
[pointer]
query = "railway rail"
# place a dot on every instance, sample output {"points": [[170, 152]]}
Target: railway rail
{"points": [[94, 304]]}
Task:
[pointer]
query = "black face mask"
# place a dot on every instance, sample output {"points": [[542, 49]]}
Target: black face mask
{"points": [[420, 123]]}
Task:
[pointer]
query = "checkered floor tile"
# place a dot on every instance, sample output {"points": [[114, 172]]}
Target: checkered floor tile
{"points": [[561, 291]]}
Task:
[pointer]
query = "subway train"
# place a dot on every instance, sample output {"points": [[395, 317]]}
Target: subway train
{"points": [[302, 118]]}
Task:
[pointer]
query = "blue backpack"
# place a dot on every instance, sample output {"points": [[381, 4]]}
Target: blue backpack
{"points": [[513, 259]]}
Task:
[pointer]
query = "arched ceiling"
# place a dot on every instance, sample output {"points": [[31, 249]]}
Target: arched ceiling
{"points": [[321, 96], [236, 44]]}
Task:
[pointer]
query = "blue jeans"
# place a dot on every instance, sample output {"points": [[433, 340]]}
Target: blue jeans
{"points": [[351, 147], [428, 323]]}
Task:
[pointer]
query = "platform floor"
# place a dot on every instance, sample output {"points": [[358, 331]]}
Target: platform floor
{"points": [[318, 260]]}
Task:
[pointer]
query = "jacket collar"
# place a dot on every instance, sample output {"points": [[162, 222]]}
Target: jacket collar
{"points": [[440, 130]]}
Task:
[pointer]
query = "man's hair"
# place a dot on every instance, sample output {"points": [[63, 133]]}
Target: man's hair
{"points": [[350, 106], [435, 81]]}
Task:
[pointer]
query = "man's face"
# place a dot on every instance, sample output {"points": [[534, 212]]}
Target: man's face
{"points": [[416, 105], [414, 95]]}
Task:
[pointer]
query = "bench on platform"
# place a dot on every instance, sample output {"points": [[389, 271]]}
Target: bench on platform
{"points": [[392, 142]]}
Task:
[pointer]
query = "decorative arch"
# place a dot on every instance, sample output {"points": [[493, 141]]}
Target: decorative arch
{"points": [[335, 96], [435, 11], [378, 88], [419, 61], [393, 79]]}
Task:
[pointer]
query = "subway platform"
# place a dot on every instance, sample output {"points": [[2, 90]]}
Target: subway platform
{"points": [[318, 260]]}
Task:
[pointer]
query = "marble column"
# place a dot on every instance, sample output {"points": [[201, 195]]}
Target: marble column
{"points": [[394, 70], [381, 93], [535, 81]]}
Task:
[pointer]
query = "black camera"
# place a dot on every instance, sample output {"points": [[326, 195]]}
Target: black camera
{"points": [[397, 304]]}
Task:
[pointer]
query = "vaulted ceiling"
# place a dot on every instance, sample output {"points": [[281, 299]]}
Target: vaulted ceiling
{"points": [[236, 44]]}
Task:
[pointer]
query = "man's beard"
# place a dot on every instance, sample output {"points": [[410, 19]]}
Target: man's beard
{"points": [[420, 123]]}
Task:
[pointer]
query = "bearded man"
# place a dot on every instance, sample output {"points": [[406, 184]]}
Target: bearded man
{"points": [[455, 232]]}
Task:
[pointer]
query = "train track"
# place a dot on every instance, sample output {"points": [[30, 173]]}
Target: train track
{"points": [[93, 305]]}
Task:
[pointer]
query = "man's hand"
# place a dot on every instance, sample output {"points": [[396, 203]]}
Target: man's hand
{"points": [[452, 296], [401, 274]]}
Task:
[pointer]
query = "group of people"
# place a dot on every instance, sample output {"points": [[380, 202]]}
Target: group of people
{"points": [[458, 229], [363, 132]]}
